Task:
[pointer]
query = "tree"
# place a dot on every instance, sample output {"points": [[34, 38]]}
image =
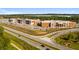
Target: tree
{"points": [[72, 37], [65, 37]]}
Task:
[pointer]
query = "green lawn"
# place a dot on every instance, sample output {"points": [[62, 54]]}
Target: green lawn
{"points": [[28, 31], [70, 41], [5, 44], [49, 36], [10, 47]]}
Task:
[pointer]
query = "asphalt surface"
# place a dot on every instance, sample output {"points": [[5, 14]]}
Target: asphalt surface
{"points": [[40, 39], [63, 32], [31, 42]]}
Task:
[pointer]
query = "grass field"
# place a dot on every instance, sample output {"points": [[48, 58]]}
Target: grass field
{"points": [[5, 44], [72, 43], [28, 31]]}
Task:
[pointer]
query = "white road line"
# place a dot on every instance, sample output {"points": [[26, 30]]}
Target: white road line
{"points": [[15, 46]]}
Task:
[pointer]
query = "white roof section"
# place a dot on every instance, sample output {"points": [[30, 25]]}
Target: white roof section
{"points": [[46, 21]]}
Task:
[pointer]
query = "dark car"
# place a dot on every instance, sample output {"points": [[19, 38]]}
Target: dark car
{"points": [[42, 45], [47, 49]]}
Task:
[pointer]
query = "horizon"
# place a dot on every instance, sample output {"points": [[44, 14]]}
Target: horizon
{"points": [[4, 11]]}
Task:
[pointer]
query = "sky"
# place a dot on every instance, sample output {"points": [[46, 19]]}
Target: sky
{"points": [[39, 10]]}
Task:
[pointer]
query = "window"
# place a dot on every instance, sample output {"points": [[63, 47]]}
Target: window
{"points": [[49, 24], [39, 24], [27, 22], [19, 21]]}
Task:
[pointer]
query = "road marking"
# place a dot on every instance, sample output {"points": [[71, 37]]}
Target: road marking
{"points": [[15, 46]]}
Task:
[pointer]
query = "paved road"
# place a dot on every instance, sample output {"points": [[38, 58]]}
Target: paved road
{"points": [[40, 39], [63, 32], [59, 33], [54, 44], [52, 33], [31, 42]]}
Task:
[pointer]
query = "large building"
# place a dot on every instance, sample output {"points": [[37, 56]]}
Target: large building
{"points": [[56, 24], [45, 24]]}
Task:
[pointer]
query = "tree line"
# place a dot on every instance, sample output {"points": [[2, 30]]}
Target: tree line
{"points": [[58, 17]]}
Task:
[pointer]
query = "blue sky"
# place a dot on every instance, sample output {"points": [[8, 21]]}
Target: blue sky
{"points": [[39, 10]]}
